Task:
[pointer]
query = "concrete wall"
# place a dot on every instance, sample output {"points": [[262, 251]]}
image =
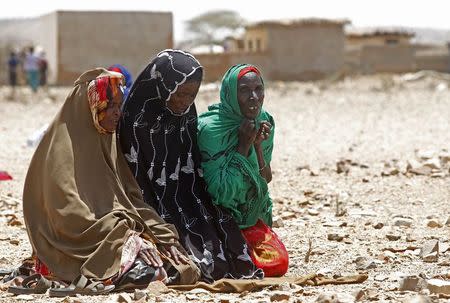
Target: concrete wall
{"points": [[46, 37], [75, 41], [91, 39], [375, 40], [215, 65], [391, 59], [440, 63], [318, 51], [307, 52]]}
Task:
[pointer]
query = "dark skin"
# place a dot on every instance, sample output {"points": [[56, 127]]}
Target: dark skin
{"points": [[151, 255], [183, 97], [112, 113], [250, 96]]}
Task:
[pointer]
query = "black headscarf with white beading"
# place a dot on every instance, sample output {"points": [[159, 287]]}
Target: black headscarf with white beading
{"points": [[162, 152]]}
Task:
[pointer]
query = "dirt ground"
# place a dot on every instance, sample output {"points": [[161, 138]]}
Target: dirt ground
{"points": [[361, 185]]}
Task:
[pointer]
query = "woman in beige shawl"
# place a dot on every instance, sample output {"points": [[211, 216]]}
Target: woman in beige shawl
{"points": [[84, 213]]}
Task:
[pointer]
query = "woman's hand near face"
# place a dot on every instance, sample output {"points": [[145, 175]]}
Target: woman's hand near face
{"points": [[246, 136], [263, 133]]}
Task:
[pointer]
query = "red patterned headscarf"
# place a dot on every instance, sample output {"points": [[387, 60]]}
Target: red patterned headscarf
{"points": [[101, 91]]}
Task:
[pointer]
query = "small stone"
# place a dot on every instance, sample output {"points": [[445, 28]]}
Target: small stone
{"points": [[335, 237], [425, 154], [342, 166], [444, 157], [14, 242], [433, 163], [314, 172], [348, 241], [277, 222], [433, 223], [313, 212], [66, 300], [390, 172], [72, 300], [447, 223], [410, 238], [157, 288], [226, 299], [124, 298], [363, 263], [197, 291], [372, 294], [287, 215], [418, 299], [402, 222], [286, 286], [439, 286], [439, 174], [378, 225], [412, 283], [417, 168], [359, 294], [380, 278], [433, 257], [330, 297], [139, 294], [280, 296], [25, 297], [387, 256], [393, 237], [303, 167], [430, 251]]}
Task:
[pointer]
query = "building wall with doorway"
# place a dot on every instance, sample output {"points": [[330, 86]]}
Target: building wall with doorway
{"points": [[306, 49], [75, 41]]}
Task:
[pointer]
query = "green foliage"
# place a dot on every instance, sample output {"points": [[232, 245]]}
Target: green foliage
{"points": [[213, 26]]}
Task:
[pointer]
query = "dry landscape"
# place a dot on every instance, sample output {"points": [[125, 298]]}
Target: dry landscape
{"points": [[361, 185]]}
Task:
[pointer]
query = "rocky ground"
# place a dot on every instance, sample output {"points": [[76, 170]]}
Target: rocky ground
{"points": [[361, 185]]}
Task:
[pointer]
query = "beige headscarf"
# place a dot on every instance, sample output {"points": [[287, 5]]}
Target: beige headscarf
{"points": [[80, 199]]}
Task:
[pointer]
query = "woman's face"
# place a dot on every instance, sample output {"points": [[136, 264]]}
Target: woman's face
{"points": [[183, 97], [250, 94], [112, 113]]}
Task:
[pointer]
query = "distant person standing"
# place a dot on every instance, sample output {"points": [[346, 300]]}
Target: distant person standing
{"points": [[31, 67], [43, 67], [13, 65]]}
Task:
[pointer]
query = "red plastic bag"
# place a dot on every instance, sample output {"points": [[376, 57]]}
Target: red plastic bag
{"points": [[4, 176], [266, 249]]}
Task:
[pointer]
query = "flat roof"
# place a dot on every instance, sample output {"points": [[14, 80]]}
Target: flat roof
{"points": [[298, 22]]}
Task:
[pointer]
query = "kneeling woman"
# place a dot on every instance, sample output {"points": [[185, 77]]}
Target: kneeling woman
{"points": [[236, 141], [85, 216], [158, 133]]}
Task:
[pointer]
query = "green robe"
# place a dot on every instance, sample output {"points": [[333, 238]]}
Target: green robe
{"points": [[234, 181]]}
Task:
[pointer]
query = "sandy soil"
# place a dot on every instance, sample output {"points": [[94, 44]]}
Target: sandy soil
{"points": [[373, 217]]}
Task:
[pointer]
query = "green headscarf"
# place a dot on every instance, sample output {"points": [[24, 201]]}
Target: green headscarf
{"points": [[233, 180]]}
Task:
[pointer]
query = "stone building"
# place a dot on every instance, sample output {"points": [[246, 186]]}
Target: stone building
{"points": [[304, 49], [375, 50], [75, 41]]}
